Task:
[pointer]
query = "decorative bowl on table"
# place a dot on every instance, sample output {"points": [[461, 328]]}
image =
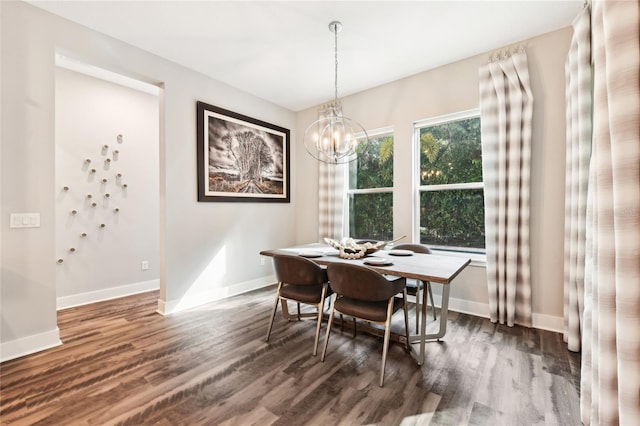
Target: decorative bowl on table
{"points": [[348, 248]]}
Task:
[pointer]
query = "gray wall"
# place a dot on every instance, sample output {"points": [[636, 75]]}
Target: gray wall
{"points": [[210, 250], [207, 250], [453, 88]]}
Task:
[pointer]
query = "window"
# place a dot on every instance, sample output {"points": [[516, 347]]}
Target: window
{"points": [[369, 193], [450, 195]]}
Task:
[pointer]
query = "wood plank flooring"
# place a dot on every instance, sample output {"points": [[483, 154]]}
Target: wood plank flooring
{"points": [[123, 364]]}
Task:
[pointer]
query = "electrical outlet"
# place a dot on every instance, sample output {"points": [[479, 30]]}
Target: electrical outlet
{"points": [[144, 265]]}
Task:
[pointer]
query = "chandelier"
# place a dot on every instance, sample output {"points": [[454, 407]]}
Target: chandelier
{"points": [[334, 138]]}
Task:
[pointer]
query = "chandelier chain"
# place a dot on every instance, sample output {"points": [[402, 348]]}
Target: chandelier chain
{"points": [[335, 53], [334, 138]]}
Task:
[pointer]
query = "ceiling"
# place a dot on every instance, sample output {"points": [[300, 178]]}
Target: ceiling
{"points": [[282, 51]]}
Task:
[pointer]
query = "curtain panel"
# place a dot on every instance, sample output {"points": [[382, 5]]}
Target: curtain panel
{"points": [[330, 200], [506, 109], [578, 148], [610, 375]]}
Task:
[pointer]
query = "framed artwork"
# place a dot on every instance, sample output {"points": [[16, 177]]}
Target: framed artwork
{"points": [[241, 158]]}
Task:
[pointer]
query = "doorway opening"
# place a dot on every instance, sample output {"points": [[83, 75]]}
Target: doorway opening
{"points": [[107, 184]]}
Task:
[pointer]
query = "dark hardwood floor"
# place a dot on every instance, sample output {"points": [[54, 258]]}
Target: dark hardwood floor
{"points": [[122, 363]]}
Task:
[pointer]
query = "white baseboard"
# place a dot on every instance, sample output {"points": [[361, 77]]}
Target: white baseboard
{"points": [[29, 344], [540, 321], [548, 322], [106, 294], [201, 298]]}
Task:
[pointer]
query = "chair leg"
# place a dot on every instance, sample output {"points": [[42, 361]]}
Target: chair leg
{"points": [[406, 318], [418, 301], [354, 327], [387, 331], [433, 305], [273, 313], [320, 312], [298, 311], [326, 338]]}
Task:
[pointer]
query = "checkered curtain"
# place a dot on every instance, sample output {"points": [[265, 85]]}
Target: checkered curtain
{"points": [[330, 200], [578, 142], [610, 376], [506, 109]]}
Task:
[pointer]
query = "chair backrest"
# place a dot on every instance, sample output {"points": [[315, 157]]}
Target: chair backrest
{"points": [[297, 270], [359, 282], [417, 248]]}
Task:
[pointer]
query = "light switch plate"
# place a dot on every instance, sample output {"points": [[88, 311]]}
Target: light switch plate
{"points": [[24, 220]]}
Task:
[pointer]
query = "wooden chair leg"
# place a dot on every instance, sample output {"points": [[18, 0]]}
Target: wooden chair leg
{"points": [[320, 312], [385, 346], [418, 301], [273, 313], [354, 327], [326, 338], [406, 318]]}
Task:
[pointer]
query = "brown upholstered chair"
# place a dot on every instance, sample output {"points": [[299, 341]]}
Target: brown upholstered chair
{"points": [[302, 281], [414, 287], [363, 293]]}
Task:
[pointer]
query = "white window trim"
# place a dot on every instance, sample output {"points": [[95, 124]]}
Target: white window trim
{"points": [[451, 187], [477, 259], [382, 131]]}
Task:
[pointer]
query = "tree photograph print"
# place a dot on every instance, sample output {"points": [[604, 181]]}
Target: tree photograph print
{"points": [[241, 158]]}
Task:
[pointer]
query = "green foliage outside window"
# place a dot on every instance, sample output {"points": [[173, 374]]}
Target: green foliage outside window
{"points": [[451, 153], [374, 166], [452, 218], [371, 215]]}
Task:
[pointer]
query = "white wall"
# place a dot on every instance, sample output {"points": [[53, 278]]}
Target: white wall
{"points": [[89, 114], [453, 88], [207, 250]]}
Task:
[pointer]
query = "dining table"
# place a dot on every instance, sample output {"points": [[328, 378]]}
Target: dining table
{"points": [[440, 269]]}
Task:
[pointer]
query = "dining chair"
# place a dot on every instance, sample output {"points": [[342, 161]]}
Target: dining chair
{"points": [[303, 281], [414, 287], [365, 294]]}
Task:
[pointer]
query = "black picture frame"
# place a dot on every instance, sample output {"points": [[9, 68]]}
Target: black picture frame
{"points": [[241, 159]]}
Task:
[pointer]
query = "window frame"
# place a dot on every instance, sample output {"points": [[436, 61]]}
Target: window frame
{"points": [[478, 255], [372, 134]]}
